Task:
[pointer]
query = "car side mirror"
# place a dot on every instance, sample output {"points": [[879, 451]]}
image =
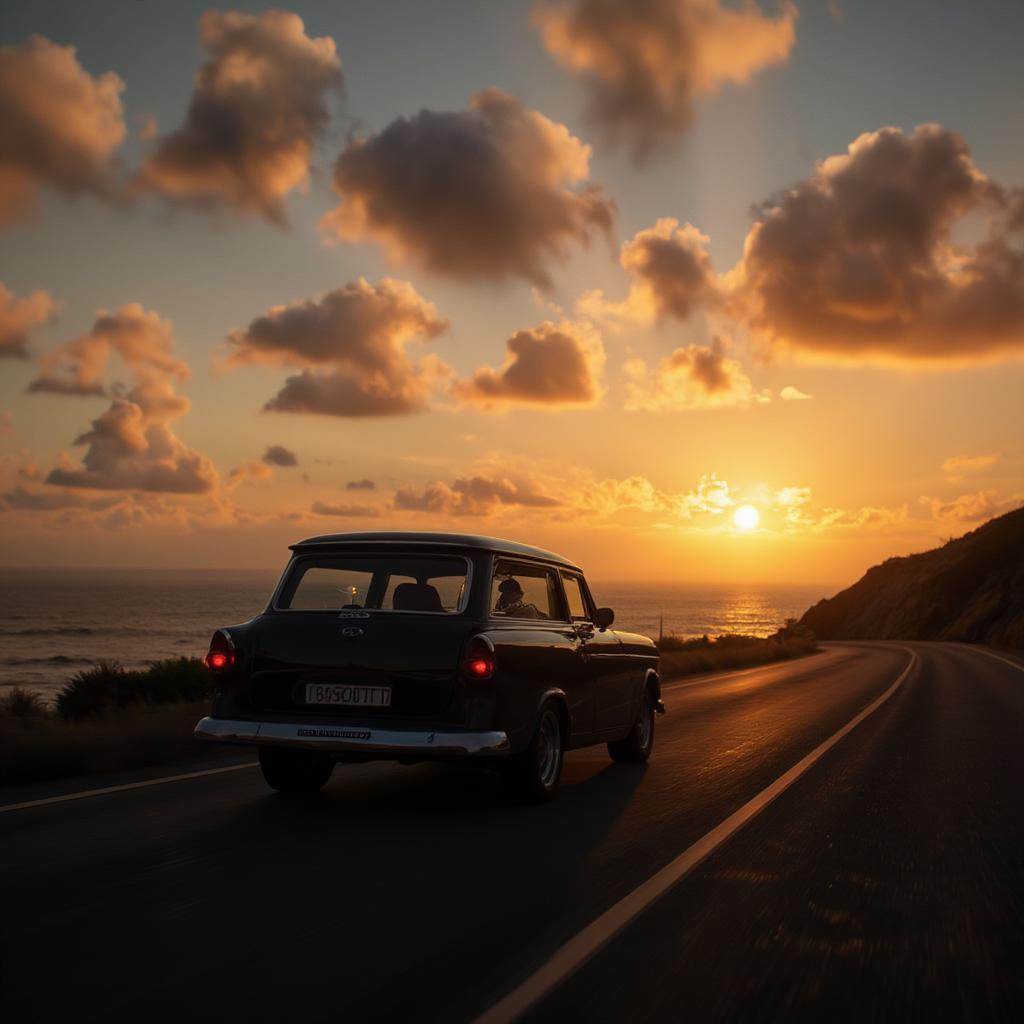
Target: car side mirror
{"points": [[603, 618]]}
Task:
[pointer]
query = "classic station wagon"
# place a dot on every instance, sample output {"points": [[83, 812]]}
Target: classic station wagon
{"points": [[430, 646]]}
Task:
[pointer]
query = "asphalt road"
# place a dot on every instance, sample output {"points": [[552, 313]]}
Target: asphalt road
{"points": [[887, 882]]}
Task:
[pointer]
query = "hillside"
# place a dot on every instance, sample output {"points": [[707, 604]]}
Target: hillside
{"points": [[970, 589]]}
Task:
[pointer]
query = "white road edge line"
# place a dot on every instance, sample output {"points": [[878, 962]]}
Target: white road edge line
{"points": [[1006, 661], [85, 793], [681, 682], [582, 946]]}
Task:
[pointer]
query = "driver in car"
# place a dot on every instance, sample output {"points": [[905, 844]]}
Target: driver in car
{"points": [[510, 601]]}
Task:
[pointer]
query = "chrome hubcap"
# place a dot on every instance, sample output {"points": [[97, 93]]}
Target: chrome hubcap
{"points": [[549, 748], [645, 726]]}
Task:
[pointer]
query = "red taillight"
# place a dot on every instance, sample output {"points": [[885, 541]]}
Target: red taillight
{"points": [[479, 660], [219, 660]]}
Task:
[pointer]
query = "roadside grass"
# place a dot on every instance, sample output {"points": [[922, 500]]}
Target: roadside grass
{"points": [[106, 719], [681, 657]]}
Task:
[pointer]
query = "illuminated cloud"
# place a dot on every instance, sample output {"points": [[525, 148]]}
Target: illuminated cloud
{"points": [[48, 501], [360, 485], [970, 508], [860, 259], [19, 317], [494, 191], [130, 446], [259, 104], [351, 344], [671, 271], [473, 496], [792, 394], [644, 62], [58, 126], [694, 377], [278, 455], [961, 464], [553, 365], [250, 471], [323, 508]]}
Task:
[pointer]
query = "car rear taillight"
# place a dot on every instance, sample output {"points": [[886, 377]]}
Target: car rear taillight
{"points": [[221, 655], [478, 662]]}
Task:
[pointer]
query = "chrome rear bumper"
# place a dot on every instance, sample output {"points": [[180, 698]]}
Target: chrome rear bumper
{"points": [[351, 739]]}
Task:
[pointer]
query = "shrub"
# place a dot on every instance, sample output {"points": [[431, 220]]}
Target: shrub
{"points": [[108, 686], [21, 703]]}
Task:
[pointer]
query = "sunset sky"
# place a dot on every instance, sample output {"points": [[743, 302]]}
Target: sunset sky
{"points": [[584, 274]]}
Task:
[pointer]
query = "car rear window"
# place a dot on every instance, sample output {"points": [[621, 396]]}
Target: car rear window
{"points": [[401, 583]]}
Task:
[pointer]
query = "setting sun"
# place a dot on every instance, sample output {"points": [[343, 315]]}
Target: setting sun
{"points": [[746, 518]]}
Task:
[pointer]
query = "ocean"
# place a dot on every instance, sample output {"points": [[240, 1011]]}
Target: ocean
{"points": [[54, 622]]}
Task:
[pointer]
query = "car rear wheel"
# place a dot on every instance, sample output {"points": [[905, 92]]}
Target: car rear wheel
{"points": [[636, 748], [536, 771], [295, 772]]}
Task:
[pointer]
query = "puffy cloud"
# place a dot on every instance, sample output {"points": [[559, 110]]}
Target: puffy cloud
{"points": [[551, 365], [792, 394], [351, 343], [47, 501], [694, 377], [19, 317], [278, 455], [130, 446], [860, 259], [970, 508], [671, 271], [473, 496], [644, 62], [143, 340], [58, 126], [960, 464], [259, 104], [252, 470], [360, 485], [323, 508], [480, 193]]}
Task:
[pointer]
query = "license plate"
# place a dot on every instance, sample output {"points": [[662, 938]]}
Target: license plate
{"points": [[349, 696]]}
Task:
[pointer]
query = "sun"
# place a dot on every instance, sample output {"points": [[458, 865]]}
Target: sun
{"points": [[746, 518]]}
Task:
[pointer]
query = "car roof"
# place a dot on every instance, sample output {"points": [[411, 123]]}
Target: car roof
{"points": [[426, 539]]}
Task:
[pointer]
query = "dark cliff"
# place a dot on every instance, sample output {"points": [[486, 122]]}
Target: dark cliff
{"points": [[970, 589]]}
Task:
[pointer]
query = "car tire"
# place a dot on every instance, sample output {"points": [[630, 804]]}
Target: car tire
{"points": [[536, 771], [638, 746], [295, 772]]}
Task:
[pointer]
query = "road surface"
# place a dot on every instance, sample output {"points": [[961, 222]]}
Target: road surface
{"points": [[886, 881]]}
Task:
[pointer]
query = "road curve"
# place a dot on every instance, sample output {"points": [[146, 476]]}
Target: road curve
{"points": [[886, 880]]}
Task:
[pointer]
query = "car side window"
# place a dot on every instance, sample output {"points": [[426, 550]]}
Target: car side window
{"points": [[578, 605], [523, 591]]}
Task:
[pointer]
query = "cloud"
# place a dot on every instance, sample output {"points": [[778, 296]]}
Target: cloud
{"points": [[278, 455], [970, 508], [494, 191], [692, 377], [860, 260], [58, 126], [47, 501], [19, 317], [645, 62], [360, 485], [473, 496], [553, 365], [960, 464], [6, 421], [322, 508], [259, 104], [671, 271], [792, 394], [352, 343], [252, 470], [130, 446]]}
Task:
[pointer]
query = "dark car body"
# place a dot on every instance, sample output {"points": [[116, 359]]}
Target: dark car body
{"points": [[425, 655]]}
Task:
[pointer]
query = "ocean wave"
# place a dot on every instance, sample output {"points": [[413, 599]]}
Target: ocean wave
{"points": [[53, 659], [49, 631]]}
